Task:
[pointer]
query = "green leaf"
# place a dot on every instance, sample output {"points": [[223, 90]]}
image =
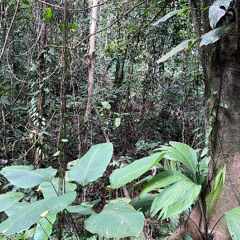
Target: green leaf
{"points": [[182, 46], [92, 165], [47, 14], [163, 179], [73, 26], [140, 182], [83, 209], [56, 154], [64, 140], [181, 152], [224, 105], [169, 15], [15, 208], [30, 214], [218, 10], [106, 105], [44, 228], [50, 189], [117, 122], [175, 199], [26, 177], [8, 199], [233, 222], [144, 202], [215, 35], [215, 192], [117, 220], [122, 176]]}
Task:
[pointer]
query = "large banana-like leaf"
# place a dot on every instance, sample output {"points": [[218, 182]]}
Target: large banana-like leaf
{"points": [[169, 15], [215, 192], [117, 220], [233, 222], [44, 228], [182, 46], [163, 179], [175, 199], [122, 176], [92, 165], [181, 152], [217, 11], [8, 199], [31, 213], [26, 177], [214, 35]]}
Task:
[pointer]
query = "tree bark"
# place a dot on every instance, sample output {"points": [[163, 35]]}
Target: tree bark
{"points": [[92, 59]]}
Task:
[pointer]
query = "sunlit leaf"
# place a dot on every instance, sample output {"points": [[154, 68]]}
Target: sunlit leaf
{"points": [[218, 10], [214, 35], [182, 46], [122, 176], [215, 192], [175, 199], [92, 165]]}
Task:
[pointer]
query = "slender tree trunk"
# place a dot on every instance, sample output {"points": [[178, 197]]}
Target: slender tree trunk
{"points": [[41, 95], [91, 70], [63, 128], [92, 59]]}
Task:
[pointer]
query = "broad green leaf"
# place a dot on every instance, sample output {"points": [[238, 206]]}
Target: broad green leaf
{"points": [[30, 214], [163, 179], [83, 209], [169, 15], [26, 177], [122, 176], [117, 220], [181, 152], [144, 202], [215, 192], [44, 228], [218, 10], [233, 222], [8, 199], [50, 189], [106, 105], [182, 46], [92, 165], [175, 199], [15, 208], [214, 35]]}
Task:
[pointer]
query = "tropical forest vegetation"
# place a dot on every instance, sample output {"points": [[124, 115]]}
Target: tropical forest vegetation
{"points": [[119, 119]]}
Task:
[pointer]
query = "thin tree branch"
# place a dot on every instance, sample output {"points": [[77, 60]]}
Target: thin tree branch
{"points": [[9, 30], [72, 9], [111, 24]]}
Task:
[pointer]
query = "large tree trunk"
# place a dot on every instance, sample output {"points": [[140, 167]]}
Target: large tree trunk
{"points": [[221, 65], [222, 70], [223, 73]]}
